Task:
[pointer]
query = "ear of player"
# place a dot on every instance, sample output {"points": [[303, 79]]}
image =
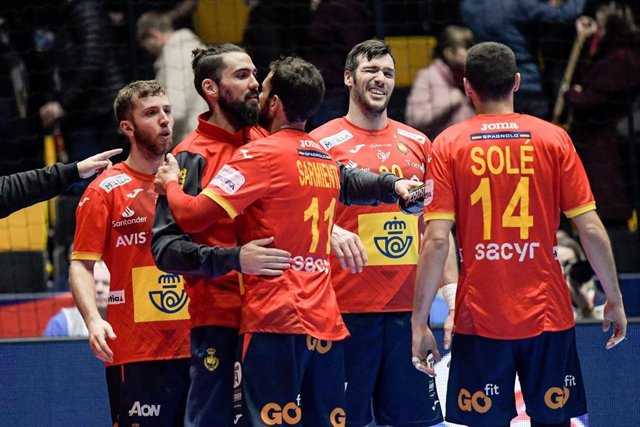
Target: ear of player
{"points": [[414, 204]]}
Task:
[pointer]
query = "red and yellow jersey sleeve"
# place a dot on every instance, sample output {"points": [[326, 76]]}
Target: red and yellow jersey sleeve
{"points": [[91, 234], [504, 180], [240, 182], [575, 194], [391, 238]]}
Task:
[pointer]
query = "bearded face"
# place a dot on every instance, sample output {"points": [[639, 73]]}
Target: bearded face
{"points": [[152, 141], [243, 110], [264, 118]]}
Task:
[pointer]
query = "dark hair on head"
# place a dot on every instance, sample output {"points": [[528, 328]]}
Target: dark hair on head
{"points": [[299, 85], [208, 62], [124, 103], [491, 70], [453, 36], [152, 21], [369, 49]]}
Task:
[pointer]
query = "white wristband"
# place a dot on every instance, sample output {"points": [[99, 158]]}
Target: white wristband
{"points": [[449, 294]]}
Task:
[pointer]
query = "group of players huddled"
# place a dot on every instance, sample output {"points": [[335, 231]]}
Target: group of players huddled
{"points": [[247, 288]]}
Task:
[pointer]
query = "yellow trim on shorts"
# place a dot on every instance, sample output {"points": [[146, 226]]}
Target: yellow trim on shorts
{"points": [[86, 256], [440, 215], [221, 201], [580, 210]]}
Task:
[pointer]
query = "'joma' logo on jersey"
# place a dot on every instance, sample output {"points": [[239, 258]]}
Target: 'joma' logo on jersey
{"points": [[499, 126]]}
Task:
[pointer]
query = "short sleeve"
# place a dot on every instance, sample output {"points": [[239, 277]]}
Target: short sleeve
{"points": [[575, 193], [439, 201], [93, 219]]}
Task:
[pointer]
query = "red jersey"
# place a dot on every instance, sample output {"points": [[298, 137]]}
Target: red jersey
{"points": [[148, 309], [214, 302], [504, 179], [391, 238], [286, 186]]}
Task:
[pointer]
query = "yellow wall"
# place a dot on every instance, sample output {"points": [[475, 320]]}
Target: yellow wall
{"points": [[220, 21]]}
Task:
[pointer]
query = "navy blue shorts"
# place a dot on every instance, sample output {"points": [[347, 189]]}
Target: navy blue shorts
{"points": [[292, 380], [379, 373], [148, 393], [213, 355], [483, 372]]}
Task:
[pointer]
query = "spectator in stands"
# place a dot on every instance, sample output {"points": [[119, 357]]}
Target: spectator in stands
{"points": [[513, 22], [587, 299], [437, 99], [604, 84], [89, 77], [336, 25], [24, 189], [173, 48], [68, 322]]}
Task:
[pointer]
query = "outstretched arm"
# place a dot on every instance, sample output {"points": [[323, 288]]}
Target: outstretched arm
{"points": [[362, 187], [174, 251]]}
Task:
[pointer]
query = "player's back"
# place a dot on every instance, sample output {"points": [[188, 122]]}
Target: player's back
{"points": [[509, 175], [299, 201], [287, 186]]}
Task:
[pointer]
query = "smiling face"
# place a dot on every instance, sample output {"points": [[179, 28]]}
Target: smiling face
{"points": [[372, 83], [152, 124], [238, 98]]}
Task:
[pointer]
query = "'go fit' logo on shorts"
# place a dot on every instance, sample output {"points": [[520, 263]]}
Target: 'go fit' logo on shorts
{"points": [[478, 401], [273, 414], [321, 346]]}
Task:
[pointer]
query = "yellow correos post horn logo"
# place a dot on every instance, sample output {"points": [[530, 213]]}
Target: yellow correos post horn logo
{"points": [[390, 238], [158, 296]]}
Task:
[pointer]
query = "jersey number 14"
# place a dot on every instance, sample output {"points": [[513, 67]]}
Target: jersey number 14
{"points": [[520, 198]]}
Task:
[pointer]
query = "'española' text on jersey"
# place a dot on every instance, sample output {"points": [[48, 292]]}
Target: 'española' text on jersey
{"points": [[288, 187], [504, 180], [391, 238], [148, 308]]}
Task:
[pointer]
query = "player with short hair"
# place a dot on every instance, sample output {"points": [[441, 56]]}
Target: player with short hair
{"points": [[376, 303], [145, 339], [225, 78], [503, 178]]}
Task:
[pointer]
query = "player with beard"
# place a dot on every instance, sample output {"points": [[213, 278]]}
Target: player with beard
{"points": [[224, 76], [144, 340], [376, 304]]}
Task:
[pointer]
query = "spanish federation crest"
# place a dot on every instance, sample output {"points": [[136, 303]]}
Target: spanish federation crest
{"points": [[211, 362]]}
